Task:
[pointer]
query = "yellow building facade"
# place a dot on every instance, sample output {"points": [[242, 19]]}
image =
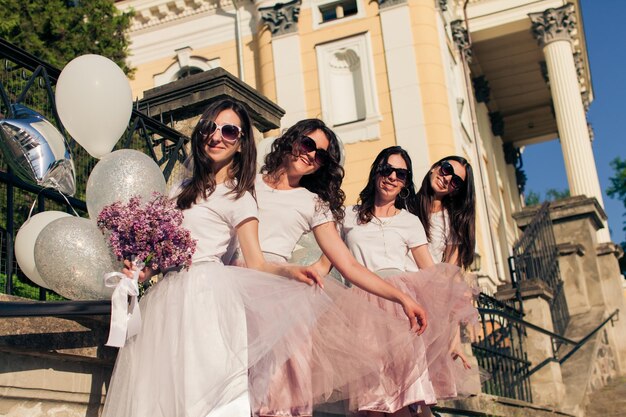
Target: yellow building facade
{"points": [[476, 78]]}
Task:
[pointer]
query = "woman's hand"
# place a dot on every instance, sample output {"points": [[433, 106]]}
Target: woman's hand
{"points": [[306, 274], [457, 354], [145, 274], [416, 314]]}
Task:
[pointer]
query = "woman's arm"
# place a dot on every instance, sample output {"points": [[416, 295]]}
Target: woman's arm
{"points": [[422, 256], [248, 235], [341, 258]]}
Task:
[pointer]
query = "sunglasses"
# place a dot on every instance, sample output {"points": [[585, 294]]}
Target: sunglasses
{"points": [[230, 133], [385, 170], [305, 145], [446, 169]]}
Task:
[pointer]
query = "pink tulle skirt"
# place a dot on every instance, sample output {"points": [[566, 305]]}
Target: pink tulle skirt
{"points": [[446, 293], [348, 350], [221, 341]]}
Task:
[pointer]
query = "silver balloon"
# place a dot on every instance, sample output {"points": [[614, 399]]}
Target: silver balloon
{"points": [[121, 175], [71, 255], [36, 150], [307, 252]]}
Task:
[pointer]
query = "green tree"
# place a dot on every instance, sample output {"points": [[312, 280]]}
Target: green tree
{"points": [[532, 198], [57, 31], [617, 190]]}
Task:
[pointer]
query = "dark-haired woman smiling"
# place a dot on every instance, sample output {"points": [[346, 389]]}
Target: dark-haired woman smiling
{"points": [[381, 233]]}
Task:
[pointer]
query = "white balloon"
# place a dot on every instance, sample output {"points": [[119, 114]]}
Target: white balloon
{"points": [[72, 256], [25, 243], [121, 175], [262, 149], [94, 101]]}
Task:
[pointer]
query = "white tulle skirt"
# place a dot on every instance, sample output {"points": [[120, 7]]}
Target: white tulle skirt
{"points": [[202, 331]]}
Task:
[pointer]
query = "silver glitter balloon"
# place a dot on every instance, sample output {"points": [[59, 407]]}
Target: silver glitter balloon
{"points": [[72, 255], [121, 175], [36, 150], [307, 252]]}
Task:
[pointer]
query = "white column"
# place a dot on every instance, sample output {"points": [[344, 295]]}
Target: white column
{"points": [[282, 20], [553, 28], [404, 87]]}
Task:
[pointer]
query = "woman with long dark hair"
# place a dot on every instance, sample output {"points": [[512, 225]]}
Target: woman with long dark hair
{"points": [[205, 330], [299, 191], [381, 233], [445, 203]]}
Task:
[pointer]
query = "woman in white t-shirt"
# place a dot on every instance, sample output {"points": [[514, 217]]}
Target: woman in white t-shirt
{"points": [[445, 203], [381, 233], [207, 329], [299, 191]]}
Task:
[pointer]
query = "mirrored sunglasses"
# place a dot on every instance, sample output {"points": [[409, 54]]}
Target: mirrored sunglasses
{"points": [[230, 133]]}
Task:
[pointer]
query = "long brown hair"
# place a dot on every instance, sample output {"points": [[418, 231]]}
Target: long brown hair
{"points": [[367, 196], [241, 173], [460, 206], [326, 181]]}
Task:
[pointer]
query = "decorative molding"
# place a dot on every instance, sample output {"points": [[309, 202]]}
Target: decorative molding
{"points": [[590, 129], [461, 39], [580, 65], [383, 4], [512, 154], [443, 5], [586, 101], [481, 89], [553, 24], [497, 123], [281, 18], [152, 14]]}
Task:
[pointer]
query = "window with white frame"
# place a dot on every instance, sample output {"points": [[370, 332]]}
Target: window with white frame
{"points": [[347, 88]]}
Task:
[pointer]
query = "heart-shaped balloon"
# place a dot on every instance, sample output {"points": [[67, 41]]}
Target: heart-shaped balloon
{"points": [[36, 150]]}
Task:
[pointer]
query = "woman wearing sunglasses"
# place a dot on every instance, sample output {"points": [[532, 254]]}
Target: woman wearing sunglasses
{"points": [[445, 203], [298, 191], [205, 330], [381, 232]]}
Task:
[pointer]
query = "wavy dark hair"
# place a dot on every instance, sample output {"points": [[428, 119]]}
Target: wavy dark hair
{"points": [[461, 208], [242, 172], [326, 181], [365, 208]]}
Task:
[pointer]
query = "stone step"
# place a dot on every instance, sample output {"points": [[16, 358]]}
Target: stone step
{"points": [[609, 401]]}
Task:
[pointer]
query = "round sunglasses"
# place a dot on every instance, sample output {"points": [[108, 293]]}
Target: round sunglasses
{"points": [[230, 133], [385, 170], [305, 145], [446, 169]]}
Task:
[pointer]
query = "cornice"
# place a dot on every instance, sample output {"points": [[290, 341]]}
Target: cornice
{"points": [[149, 13]]}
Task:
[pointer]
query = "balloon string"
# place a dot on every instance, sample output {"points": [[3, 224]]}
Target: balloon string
{"points": [[32, 207]]}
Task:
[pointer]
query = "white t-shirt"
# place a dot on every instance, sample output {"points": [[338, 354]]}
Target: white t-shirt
{"points": [[439, 228], [383, 243], [213, 221], [285, 215]]}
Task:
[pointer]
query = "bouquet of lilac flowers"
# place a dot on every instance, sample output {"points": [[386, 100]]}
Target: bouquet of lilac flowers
{"points": [[150, 233]]}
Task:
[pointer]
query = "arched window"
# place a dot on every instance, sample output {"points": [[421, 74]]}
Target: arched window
{"points": [[184, 66]]}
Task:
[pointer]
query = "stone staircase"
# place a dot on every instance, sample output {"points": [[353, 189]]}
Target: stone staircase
{"points": [[591, 368], [609, 401]]}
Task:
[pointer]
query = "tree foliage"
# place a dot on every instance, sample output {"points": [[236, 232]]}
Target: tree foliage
{"points": [[57, 31], [617, 190], [552, 194]]}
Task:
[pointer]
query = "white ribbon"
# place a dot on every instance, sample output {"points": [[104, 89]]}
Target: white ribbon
{"points": [[125, 315]]}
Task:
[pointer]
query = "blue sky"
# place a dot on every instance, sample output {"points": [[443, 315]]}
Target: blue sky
{"points": [[606, 45]]}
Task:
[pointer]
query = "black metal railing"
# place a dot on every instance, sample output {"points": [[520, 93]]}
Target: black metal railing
{"points": [[29, 81], [535, 256], [500, 350]]}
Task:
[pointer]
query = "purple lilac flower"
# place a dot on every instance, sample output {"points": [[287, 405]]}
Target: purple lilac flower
{"points": [[150, 232]]}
